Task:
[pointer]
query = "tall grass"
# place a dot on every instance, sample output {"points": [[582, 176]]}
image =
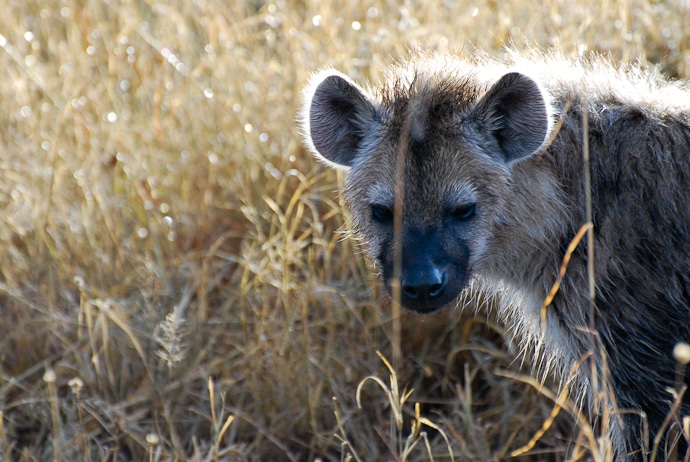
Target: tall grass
{"points": [[173, 283]]}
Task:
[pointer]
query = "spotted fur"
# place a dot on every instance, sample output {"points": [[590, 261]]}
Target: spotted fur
{"points": [[491, 196]]}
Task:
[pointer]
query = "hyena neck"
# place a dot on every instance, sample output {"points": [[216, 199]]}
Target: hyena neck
{"points": [[532, 237], [531, 228]]}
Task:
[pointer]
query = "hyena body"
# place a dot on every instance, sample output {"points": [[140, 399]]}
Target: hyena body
{"points": [[470, 172]]}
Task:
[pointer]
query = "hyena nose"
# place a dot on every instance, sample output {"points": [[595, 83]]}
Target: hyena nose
{"points": [[424, 285]]}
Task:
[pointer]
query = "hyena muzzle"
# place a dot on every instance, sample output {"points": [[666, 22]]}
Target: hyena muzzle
{"points": [[471, 172]]}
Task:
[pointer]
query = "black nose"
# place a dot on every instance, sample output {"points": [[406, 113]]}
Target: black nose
{"points": [[423, 285]]}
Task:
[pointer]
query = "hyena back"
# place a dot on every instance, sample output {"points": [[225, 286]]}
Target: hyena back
{"points": [[471, 172]]}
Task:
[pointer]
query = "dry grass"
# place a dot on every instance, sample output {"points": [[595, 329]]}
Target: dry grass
{"points": [[172, 282]]}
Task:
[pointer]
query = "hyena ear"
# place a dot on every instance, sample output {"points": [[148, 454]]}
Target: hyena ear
{"points": [[516, 114], [335, 118]]}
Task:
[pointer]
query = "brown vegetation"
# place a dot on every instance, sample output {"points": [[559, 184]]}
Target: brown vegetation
{"points": [[173, 285]]}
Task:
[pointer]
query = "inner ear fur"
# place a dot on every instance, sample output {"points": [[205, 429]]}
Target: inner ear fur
{"points": [[336, 118], [515, 113]]}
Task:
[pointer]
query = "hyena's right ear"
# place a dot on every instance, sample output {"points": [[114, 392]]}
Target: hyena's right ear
{"points": [[336, 115], [515, 112]]}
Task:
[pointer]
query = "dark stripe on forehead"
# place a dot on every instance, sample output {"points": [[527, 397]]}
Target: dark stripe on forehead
{"points": [[418, 121], [417, 134]]}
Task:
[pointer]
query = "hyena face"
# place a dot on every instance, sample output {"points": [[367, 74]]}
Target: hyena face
{"points": [[430, 164]]}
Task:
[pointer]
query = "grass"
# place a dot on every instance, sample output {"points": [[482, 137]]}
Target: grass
{"points": [[174, 286]]}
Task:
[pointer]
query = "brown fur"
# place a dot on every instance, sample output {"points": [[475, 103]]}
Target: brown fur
{"points": [[459, 146]]}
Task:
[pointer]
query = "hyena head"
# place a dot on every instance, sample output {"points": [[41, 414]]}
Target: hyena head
{"points": [[429, 157]]}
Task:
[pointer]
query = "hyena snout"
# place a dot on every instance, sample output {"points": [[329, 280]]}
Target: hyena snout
{"points": [[422, 284], [428, 280], [428, 287]]}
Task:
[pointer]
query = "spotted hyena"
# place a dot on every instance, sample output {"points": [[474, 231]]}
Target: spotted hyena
{"points": [[471, 172]]}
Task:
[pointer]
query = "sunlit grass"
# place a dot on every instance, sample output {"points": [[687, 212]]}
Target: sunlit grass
{"points": [[173, 283]]}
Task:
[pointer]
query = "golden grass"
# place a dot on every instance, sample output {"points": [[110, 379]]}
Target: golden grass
{"points": [[173, 285]]}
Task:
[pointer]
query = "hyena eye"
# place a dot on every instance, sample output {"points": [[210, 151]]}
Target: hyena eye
{"points": [[381, 213], [464, 212]]}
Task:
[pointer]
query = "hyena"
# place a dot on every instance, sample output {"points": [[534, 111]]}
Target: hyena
{"points": [[470, 172]]}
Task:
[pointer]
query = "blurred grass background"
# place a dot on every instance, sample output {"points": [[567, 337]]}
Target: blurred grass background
{"points": [[173, 285]]}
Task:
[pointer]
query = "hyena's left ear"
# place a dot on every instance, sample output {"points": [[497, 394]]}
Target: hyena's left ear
{"points": [[336, 116], [515, 113]]}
